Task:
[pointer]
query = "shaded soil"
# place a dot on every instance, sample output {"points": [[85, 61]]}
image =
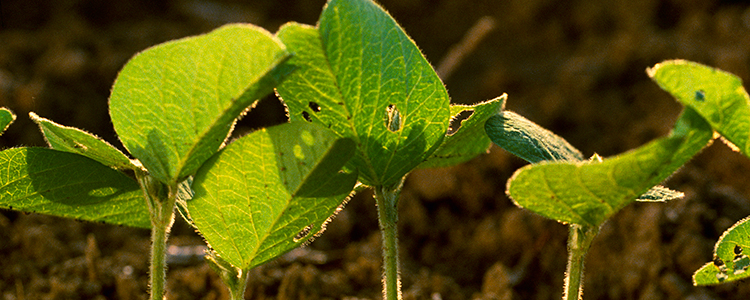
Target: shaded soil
{"points": [[576, 67]]}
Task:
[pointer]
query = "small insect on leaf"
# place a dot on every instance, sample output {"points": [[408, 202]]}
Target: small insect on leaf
{"points": [[700, 95]]}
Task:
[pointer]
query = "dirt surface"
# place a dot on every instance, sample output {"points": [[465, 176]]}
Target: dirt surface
{"points": [[576, 67]]}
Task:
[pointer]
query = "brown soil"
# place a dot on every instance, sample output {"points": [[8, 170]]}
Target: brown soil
{"points": [[576, 67]]}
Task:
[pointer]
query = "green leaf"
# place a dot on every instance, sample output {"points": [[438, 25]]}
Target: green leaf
{"points": [[256, 194], [69, 185], [74, 140], [588, 192], [716, 95], [731, 259], [6, 117], [469, 140], [360, 75], [173, 105], [528, 140]]}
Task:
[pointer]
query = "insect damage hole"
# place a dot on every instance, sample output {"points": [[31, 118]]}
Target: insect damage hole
{"points": [[458, 120], [392, 118], [700, 95], [303, 234]]}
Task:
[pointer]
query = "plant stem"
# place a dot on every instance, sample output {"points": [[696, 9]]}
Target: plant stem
{"points": [[387, 200], [237, 291], [579, 241], [161, 201]]}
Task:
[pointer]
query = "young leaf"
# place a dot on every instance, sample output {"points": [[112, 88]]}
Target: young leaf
{"points": [[173, 105], [716, 95], [74, 140], [731, 260], [469, 139], [528, 140], [256, 194], [6, 117], [362, 76], [587, 193], [69, 185]]}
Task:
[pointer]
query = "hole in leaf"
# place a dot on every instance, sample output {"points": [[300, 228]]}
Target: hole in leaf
{"points": [[718, 262], [393, 118], [457, 120], [737, 249], [306, 116], [314, 106], [303, 233], [700, 95]]}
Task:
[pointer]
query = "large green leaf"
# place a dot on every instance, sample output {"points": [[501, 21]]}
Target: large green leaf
{"points": [[74, 140], [467, 140], [716, 95], [256, 194], [69, 185], [587, 193], [173, 105], [6, 117], [359, 74], [731, 260]]}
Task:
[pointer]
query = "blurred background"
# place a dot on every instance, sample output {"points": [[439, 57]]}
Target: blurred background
{"points": [[576, 67]]}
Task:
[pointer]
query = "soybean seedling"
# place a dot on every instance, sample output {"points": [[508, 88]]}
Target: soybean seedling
{"points": [[360, 75], [723, 102], [560, 185], [173, 107]]}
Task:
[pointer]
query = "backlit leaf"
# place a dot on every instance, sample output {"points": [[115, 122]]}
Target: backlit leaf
{"points": [[256, 194], [469, 139], [75, 140], [6, 117], [173, 105], [731, 260], [359, 74]]}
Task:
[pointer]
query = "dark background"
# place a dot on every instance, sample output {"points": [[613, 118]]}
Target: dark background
{"points": [[576, 67]]}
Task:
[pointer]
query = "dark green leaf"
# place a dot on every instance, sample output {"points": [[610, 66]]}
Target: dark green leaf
{"points": [[69, 185]]}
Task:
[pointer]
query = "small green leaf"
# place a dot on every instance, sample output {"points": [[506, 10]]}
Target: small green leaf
{"points": [[6, 117], [173, 105], [528, 140], [587, 193], [716, 95], [74, 140], [469, 140], [731, 260], [360, 75], [257, 193], [69, 185]]}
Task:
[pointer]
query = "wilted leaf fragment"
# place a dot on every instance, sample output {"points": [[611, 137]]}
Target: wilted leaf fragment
{"points": [[469, 140], [69, 185], [253, 197], [173, 105], [731, 260], [75, 140], [6, 117], [587, 193], [356, 65], [716, 95]]}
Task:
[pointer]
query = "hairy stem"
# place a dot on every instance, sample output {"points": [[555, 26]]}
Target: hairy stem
{"points": [[161, 201], [579, 241], [387, 200]]}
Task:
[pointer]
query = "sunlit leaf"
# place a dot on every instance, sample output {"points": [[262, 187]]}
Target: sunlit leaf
{"points": [[270, 191], [173, 105]]}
